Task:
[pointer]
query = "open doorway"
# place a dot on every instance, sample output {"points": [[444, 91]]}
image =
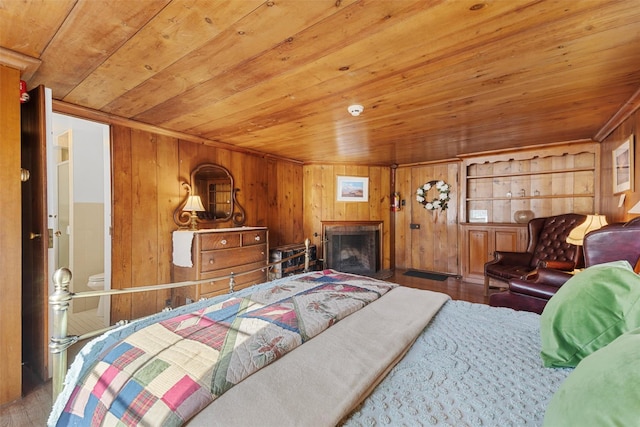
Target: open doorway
{"points": [[79, 200]]}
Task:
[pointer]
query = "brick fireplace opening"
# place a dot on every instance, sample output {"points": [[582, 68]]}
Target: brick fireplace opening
{"points": [[353, 246]]}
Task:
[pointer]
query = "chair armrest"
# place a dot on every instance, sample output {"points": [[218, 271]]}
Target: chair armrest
{"points": [[532, 289], [550, 277], [558, 265], [516, 258]]}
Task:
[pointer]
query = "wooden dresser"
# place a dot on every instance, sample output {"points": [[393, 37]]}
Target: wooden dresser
{"points": [[215, 253]]}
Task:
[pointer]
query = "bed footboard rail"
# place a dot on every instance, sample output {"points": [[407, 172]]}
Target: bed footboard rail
{"points": [[61, 298]]}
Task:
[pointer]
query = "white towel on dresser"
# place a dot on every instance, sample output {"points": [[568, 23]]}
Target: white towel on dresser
{"points": [[182, 241]]}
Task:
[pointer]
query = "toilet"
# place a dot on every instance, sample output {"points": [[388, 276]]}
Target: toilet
{"points": [[96, 283]]}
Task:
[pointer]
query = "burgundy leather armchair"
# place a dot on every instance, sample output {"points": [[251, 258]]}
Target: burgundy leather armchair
{"points": [[547, 247], [611, 243]]}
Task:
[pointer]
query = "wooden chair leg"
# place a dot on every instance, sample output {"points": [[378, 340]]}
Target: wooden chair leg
{"points": [[486, 286]]}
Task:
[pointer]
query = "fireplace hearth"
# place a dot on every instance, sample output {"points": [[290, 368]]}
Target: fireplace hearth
{"points": [[352, 247]]}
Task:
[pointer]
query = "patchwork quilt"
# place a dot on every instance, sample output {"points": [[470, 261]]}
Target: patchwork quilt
{"points": [[168, 371]]}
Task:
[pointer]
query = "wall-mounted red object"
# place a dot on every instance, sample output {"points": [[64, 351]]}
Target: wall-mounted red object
{"points": [[395, 202], [24, 95]]}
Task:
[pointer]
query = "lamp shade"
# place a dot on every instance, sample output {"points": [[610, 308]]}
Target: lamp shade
{"points": [[194, 204], [635, 209], [593, 222]]}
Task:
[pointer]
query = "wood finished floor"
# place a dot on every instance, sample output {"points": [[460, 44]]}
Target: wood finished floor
{"points": [[33, 409]]}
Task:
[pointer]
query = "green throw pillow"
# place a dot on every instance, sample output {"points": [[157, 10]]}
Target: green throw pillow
{"points": [[589, 311], [604, 390]]}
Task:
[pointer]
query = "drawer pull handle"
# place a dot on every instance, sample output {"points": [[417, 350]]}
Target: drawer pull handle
{"points": [[257, 238], [210, 260], [223, 241]]}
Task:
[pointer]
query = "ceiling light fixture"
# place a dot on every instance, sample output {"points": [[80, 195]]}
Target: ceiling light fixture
{"points": [[355, 109]]}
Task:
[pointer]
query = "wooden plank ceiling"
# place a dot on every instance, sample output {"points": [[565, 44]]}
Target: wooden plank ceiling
{"points": [[436, 78]]}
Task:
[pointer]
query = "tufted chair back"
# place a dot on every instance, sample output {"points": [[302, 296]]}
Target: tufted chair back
{"points": [[548, 239]]}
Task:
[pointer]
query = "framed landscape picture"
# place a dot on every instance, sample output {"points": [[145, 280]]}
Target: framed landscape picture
{"points": [[352, 189], [623, 166]]}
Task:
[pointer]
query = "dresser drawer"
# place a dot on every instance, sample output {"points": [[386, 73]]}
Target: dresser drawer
{"points": [[254, 237], [242, 281], [216, 260], [211, 241]]}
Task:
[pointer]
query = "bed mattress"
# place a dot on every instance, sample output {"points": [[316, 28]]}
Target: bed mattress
{"points": [[474, 365]]}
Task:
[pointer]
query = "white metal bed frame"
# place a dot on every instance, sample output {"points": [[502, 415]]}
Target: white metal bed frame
{"points": [[61, 298]]}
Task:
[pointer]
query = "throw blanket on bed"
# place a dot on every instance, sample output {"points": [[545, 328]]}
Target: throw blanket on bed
{"points": [[170, 370]]}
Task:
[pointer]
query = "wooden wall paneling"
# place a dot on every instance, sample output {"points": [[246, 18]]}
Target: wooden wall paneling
{"points": [[286, 192], [419, 176], [342, 211], [403, 217], [445, 232], [608, 201], [10, 237], [329, 192], [272, 203], [277, 194], [420, 216], [144, 213], [241, 170], [261, 176], [219, 156], [298, 203], [385, 179], [362, 210], [453, 235], [293, 199], [376, 195], [168, 198], [437, 241], [312, 208], [380, 207], [121, 234], [187, 156]]}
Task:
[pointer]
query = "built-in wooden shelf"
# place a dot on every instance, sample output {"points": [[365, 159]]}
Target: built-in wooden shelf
{"points": [[529, 173], [552, 196]]}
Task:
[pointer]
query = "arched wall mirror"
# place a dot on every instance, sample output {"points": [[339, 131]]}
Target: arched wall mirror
{"points": [[214, 186]]}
